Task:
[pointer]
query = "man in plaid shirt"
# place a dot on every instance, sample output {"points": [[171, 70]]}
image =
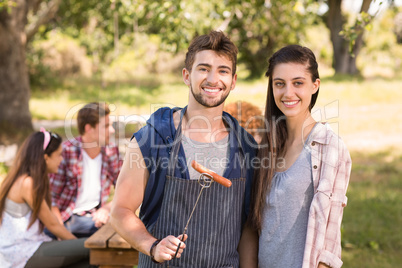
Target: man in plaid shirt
{"points": [[81, 187]]}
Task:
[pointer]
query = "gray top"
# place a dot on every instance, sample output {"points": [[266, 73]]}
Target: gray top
{"points": [[214, 156], [284, 227], [17, 210]]}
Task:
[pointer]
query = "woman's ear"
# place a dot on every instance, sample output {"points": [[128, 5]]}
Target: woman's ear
{"points": [[316, 85], [46, 157]]}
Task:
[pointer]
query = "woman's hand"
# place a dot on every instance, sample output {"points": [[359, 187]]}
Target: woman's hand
{"points": [[323, 265]]}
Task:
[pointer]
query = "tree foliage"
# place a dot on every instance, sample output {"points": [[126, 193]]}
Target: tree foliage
{"points": [[258, 27], [261, 27]]}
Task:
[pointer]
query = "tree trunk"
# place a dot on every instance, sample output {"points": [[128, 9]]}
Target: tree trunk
{"points": [[343, 61], [359, 40], [335, 21], [15, 117]]}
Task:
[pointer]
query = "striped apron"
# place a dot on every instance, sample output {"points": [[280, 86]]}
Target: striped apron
{"points": [[215, 227]]}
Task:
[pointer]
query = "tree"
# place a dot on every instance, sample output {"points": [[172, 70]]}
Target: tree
{"points": [[398, 27], [15, 32], [347, 41], [344, 62]]}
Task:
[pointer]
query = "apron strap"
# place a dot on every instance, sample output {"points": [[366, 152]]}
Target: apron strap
{"points": [[174, 152]]}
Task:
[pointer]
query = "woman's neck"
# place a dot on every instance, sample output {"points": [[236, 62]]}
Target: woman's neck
{"points": [[298, 130]]}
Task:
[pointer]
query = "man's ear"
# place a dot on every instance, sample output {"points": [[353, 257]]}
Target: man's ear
{"points": [[88, 128], [233, 82], [186, 76]]}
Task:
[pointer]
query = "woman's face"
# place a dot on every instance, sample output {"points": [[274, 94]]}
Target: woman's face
{"points": [[53, 160], [293, 89]]}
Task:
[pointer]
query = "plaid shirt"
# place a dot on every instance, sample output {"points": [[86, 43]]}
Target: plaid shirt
{"points": [[65, 183], [331, 165]]}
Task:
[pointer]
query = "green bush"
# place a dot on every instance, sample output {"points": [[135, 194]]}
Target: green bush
{"points": [[55, 58]]}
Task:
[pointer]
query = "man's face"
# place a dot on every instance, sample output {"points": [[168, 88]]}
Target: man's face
{"points": [[210, 79], [102, 131]]}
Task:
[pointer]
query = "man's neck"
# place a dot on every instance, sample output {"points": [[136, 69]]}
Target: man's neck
{"points": [[203, 124], [92, 148]]}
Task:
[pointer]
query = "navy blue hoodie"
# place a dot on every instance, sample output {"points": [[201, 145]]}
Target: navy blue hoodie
{"points": [[155, 141]]}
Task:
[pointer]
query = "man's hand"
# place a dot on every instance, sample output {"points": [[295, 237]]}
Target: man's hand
{"points": [[100, 217], [166, 249]]}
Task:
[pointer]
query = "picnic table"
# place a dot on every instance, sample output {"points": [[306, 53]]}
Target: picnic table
{"points": [[108, 249]]}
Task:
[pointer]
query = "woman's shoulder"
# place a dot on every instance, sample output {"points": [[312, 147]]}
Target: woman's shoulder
{"points": [[27, 185], [22, 186], [333, 142]]}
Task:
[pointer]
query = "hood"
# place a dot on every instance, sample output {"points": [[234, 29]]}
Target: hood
{"points": [[162, 122]]}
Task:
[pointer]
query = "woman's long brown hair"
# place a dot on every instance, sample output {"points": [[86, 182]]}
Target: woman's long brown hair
{"points": [[273, 140], [30, 161]]}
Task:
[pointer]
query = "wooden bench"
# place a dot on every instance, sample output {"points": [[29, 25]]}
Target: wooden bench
{"points": [[109, 249]]}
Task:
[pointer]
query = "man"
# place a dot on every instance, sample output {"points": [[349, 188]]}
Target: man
{"points": [[155, 174], [90, 166]]}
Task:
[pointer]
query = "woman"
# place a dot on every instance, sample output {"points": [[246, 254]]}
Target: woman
{"points": [[25, 210], [299, 190]]}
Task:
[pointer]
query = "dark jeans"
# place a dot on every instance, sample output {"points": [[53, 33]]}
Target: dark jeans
{"points": [[80, 226], [66, 253]]}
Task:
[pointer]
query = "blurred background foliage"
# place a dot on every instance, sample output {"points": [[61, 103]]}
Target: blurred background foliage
{"points": [[127, 40], [136, 46]]}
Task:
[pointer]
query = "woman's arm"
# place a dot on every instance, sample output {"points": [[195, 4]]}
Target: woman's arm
{"points": [[331, 252], [323, 265], [51, 222], [45, 215], [248, 247]]}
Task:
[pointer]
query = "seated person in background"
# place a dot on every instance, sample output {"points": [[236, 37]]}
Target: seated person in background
{"points": [[25, 210], [249, 117], [81, 187]]}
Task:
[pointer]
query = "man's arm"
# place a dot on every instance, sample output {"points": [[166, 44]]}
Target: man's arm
{"points": [[128, 197]]}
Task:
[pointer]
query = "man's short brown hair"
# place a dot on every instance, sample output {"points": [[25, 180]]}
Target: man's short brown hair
{"points": [[216, 41], [90, 114]]}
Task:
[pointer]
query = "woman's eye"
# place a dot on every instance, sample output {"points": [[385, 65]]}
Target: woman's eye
{"points": [[279, 84], [298, 83]]}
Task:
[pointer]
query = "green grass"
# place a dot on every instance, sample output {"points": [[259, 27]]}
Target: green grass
{"points": [[371, 235]]}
